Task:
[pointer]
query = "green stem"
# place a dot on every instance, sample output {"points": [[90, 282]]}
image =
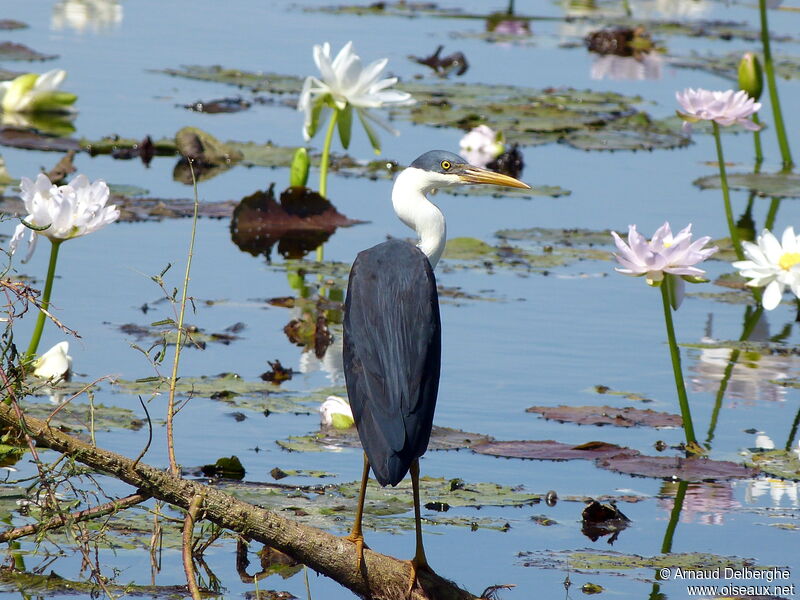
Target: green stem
{"points": [[757, 144], [48, 288], [793, 431], [769, 71], [326, 153], [680, 386], [726, 197]]}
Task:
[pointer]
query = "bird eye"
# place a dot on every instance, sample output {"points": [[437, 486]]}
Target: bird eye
{"points": [[445, 164]]}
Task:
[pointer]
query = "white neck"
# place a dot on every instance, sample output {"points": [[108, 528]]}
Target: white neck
{"points": [[420, 214]]}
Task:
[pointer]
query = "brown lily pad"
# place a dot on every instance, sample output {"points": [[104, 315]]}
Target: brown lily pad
{"points": [[12, 51], [27, 139], [300, 222], [608, 415], [552, 450], [676, 467]]}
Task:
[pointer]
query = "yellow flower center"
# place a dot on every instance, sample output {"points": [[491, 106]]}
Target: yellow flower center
{"points": [[788, 260]]}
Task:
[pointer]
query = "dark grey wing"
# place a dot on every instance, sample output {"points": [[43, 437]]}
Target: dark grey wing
{"points": [[392, 355]]}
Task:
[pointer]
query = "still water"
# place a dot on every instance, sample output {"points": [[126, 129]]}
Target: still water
{"points": [[520, 338]]}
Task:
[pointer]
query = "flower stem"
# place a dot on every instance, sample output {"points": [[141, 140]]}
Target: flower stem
{"points": [[326, 153], [757, 144], [723, 179], [680, 386], [48, 288], [769, 72]]}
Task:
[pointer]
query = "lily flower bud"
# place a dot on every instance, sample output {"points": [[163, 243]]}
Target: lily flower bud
{"points": [[751, 78]]}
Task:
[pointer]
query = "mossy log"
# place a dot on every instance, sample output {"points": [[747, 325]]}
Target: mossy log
{"points": [[381, 578]]}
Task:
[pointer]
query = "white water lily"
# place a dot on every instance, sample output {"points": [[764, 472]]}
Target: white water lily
{"points": [[481, 145], [772, 265], [33, 93], [345, 83], [65, 211], [725, 108], [335, 412], [664, 254], [54, 364]]}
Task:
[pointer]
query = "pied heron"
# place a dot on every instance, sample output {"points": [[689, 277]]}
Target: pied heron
{"points": [[392, 333]]}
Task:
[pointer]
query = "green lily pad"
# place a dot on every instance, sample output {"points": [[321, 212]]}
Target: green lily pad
{"points": [[442, 438], [610, 139], [608, 561], [236, 392], [554, 248], [604, 389], [727, 66], [779, 185], [193, 338], [79, 416], [12, 51], [778, 463]]}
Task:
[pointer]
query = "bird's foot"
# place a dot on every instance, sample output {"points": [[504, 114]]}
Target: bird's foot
{"points": [[418, 564], [358, 540]]}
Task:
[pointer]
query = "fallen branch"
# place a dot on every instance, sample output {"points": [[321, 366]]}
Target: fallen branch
{"points": [[75, 517], [382, 578]]}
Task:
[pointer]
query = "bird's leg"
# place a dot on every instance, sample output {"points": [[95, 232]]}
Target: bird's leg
{"points": [[356, 534], [419, 562]]}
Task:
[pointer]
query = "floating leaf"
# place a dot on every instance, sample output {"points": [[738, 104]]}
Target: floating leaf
{"points": [[779, 185], [12, 51], [604, 389], [608, 415], [592, 561], [551, 450], [778, 463], [676, 468], [442, 438], [78, 416], [610, 139]]}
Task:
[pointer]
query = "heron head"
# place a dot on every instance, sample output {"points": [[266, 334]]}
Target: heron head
{"points": [[445, 169]]}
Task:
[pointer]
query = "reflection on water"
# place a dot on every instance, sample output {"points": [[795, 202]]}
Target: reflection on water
{"points": [[645, 66], [704, 503], [672, 9], [86, 15], [778, 489], [754, 373], [331, 362]]}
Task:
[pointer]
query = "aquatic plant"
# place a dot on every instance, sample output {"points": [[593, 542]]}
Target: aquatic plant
{"points": [[54, 364], [481, 145], [666, 261], [720, 108], [59, 213], [772, 265], [34, 93], [346, 85]]}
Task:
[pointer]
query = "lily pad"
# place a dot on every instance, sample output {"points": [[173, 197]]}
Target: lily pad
{"points": [[779, 185], [608, 415], [778, 463], [12, 51], [676, 468], [552, 450], [442, 438], [193, 338], [604, 389], [786, 66], [608, 561], [78, 416], [610, 139]]}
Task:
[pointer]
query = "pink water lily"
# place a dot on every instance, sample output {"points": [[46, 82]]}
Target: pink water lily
{"points": [[725, 108], [663, 254]]}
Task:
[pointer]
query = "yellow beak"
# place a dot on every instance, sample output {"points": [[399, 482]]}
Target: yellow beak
{"points": [[477, 175]]}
